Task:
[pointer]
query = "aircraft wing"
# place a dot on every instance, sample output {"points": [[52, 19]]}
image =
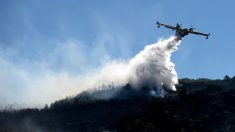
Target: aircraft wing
{"points": [[164, 25], [198, 33]]}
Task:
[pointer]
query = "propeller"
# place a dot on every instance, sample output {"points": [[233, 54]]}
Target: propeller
{"points": [[192, 27], [179, 24]]}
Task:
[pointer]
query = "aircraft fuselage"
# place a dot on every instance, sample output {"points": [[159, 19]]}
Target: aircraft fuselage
{"points": [[181, 33]]}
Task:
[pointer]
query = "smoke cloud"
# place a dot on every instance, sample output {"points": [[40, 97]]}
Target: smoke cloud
{"points": [[152, 67]]}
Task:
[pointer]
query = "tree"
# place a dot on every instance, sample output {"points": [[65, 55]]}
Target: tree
{"points": [[46, 107], [227, 78]]}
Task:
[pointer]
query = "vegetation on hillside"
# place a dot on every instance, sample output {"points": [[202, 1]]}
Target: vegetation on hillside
{"points": [[201, 105]]}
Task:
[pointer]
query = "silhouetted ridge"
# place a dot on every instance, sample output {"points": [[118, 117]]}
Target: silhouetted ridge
{"points": [[200, 105]]}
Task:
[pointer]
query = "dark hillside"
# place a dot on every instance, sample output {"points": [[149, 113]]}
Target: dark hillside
{"points": [[201, 105]]}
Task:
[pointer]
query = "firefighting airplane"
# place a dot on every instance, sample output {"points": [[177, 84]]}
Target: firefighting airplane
{"points": [[181, 32]]}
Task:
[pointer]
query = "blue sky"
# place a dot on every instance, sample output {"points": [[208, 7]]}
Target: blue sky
{"points": [[78, 35]]}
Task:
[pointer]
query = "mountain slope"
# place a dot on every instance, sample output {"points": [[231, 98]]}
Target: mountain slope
{"points": [[198, 105]]}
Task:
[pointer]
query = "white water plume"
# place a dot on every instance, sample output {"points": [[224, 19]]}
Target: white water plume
{"points": [[152, 68]]}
